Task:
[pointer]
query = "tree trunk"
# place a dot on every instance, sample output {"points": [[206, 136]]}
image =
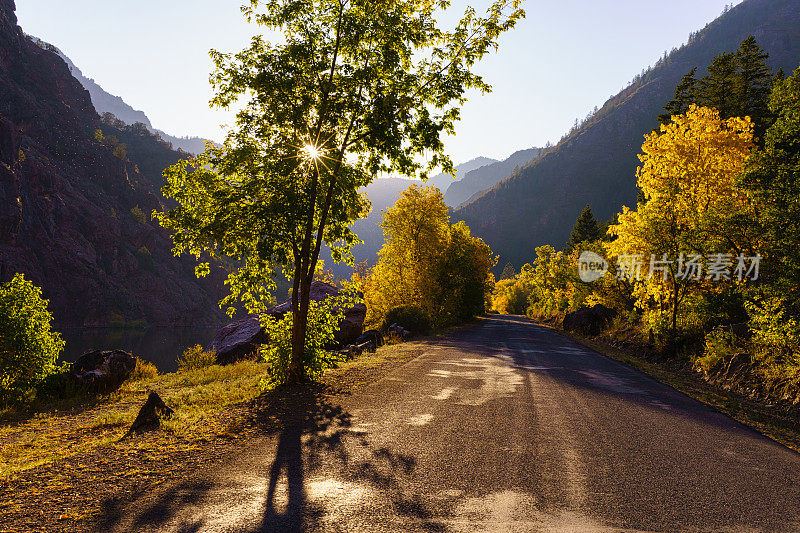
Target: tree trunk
{"points": [[674, 309], [300, 303]]}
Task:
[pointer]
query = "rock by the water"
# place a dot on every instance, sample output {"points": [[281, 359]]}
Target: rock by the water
{"points": [[589, 320], [151, 413], [103, 370], [239, 340]]}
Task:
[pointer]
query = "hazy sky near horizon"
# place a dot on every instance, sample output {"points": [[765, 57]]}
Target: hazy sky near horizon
{"points": [[564, 59]]}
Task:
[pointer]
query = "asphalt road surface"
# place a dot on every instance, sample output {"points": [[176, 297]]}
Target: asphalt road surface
{"points": [[506, 426]]}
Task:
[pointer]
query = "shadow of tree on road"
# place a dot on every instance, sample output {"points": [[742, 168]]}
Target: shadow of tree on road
{"points": [[315, 437]]}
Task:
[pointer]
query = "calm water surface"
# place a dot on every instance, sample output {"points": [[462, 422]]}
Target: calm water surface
{"points": [[159, 345]]}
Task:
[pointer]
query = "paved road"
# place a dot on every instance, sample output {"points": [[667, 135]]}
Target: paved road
{"points": [[506, 426]]}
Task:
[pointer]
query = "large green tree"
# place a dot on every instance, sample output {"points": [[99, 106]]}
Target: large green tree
{"points": [[586, 229], [342, 91], [772, 177], [737, 84]]}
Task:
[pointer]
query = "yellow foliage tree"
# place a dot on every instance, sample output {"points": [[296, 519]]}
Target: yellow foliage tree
{"points": [[692, 205], [427, 262]]}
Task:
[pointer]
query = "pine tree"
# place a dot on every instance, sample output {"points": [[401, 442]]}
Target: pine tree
{"points": [[718, 88], [737, 84], [753, 85], [586, 229], [685, 95], [508, 272]]}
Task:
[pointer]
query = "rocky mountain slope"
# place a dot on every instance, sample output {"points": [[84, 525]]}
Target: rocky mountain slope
{"points": [[596, 164], [74, 204], [105, 102]]}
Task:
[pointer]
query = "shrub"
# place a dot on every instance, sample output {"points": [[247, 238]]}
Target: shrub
{"points": [[323, 321], [143, 370], [410, 317], [145, 258], [28, 348], [138, 215], [719, 345], [195, 357]]}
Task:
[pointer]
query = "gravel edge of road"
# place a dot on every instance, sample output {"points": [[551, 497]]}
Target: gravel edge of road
{"points": [[774, 425]]}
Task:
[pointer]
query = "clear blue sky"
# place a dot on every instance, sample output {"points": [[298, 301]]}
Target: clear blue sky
{"points": [[565, 58]]}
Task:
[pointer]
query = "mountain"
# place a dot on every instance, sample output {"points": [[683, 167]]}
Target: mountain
{"points": [[596, 163], [105, 102], [443, 181], [476, 181], [75, 198]]}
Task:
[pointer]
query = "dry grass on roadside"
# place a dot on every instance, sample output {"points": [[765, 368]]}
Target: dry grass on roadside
{"points": [[197, 396]]}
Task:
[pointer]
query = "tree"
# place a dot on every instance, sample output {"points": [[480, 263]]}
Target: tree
{"points": [[737, 84], [688, 176], [772, 178], [718, 89], [28, 348], [753, 85], [349, 89], [586, 229], [685, 95], [427, 262], [508, 272]]}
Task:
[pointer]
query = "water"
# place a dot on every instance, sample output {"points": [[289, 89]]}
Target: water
{"points": [[159, 345]]}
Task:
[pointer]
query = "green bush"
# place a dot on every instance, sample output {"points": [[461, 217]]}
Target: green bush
{"points": [[719, 346], [143, 370], [410, 317], [196, 357], [323, 322], [28, 348]]}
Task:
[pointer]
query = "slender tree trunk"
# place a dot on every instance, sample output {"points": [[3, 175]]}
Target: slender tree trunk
{"points": [[674, 309], [300, 302]]}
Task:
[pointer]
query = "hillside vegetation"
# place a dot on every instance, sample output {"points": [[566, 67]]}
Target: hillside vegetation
{"points": [[596, 163]]}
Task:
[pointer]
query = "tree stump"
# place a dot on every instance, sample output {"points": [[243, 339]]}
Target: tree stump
{"points": [[151, 413]]}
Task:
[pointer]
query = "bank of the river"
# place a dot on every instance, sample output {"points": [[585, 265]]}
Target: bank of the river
{"points": [[62, 468]]}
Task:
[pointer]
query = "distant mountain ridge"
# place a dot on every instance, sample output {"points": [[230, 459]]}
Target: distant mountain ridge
{"points": [[105, 102], [487, 176], [596, 163], [443, 181]]}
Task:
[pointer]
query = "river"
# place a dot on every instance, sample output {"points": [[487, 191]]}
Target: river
{"points": [[159, 345]]}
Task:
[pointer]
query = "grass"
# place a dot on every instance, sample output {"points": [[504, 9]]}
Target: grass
{"points": [[202, 399], [67, 428]]}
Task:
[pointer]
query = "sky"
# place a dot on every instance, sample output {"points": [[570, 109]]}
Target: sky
{"points": [[565, 58]]}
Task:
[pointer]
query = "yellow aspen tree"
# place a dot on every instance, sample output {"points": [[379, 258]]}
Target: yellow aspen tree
{"points": [[692, 204]]}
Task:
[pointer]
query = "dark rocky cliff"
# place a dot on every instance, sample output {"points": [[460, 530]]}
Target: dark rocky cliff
{"points": [[70, 208]]}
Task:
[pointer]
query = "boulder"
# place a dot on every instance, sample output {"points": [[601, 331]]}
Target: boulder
{"points": [[241, 339], [238, 340], [352, 324], [151, 413], [373, 335], [103, 370], [589, 320]]}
